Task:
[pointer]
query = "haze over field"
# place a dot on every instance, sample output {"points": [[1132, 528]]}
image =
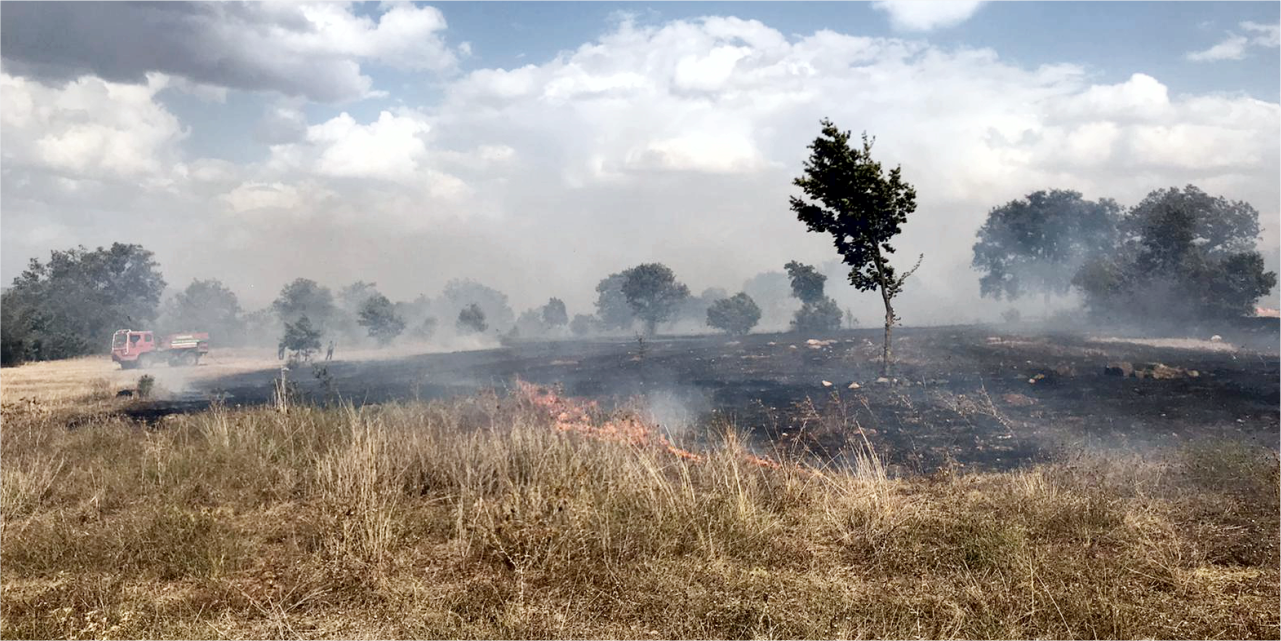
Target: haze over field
{"points": [[539, 148]]}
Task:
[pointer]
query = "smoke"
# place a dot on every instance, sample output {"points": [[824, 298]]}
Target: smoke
{"points": [[540, 180]]}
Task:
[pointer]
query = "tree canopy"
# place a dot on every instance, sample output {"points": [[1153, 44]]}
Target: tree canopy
{"points": [[653, 293], [205, 305], [71, 304], [807, 282], [737, 314], [471, 320], [612, 308], [1037, 243], [378, 317], [554, 313], [305, 297], [301, 337], [1184, 255]]}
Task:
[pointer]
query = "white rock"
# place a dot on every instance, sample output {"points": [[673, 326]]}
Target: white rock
{"points": [[855, 386], [1216, 339], [827, 383]]}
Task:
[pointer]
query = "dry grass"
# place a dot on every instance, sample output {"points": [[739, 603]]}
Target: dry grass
{"points": [[476, 518], [72, 382]]}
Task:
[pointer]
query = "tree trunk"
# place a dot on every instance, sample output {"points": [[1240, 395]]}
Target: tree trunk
{"points": [[889, 328], [886, 358]]}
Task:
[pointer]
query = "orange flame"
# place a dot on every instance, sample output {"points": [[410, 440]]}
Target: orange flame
{"points": [[575, 415]]}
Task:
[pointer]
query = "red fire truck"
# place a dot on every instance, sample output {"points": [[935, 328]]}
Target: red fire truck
{"points": [[142, 349]]}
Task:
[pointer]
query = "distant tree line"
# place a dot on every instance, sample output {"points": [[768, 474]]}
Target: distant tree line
{"points": [[1179, 256]]}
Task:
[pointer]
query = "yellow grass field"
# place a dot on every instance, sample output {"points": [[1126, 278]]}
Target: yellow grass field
{"points": [[482, 517]]}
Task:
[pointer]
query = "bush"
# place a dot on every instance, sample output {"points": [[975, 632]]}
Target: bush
{"points": [[817, 316], [735, 315]]}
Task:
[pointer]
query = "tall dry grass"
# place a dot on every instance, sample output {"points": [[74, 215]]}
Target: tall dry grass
{"points": [[475, 518]]}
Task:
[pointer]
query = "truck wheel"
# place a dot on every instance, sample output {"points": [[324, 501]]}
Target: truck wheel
{"points": [[143, 362], [187, 360]]}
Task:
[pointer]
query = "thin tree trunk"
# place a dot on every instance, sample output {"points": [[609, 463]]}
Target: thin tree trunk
{"points": [[886, 358], [889, 328]]}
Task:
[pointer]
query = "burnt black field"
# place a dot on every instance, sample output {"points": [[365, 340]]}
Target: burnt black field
{"points": [[963, 397]]}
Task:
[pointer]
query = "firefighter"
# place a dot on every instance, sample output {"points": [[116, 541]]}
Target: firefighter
{"points": [[329, 353]]}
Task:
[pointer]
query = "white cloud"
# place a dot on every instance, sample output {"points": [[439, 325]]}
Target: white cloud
{"points": [[1269, 35], [927, 15], [1235, 46], [675, 142], [389, 148], [89, 128]]}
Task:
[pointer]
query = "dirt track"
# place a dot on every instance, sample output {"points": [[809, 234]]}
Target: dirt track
{"points": [[963, 394]]}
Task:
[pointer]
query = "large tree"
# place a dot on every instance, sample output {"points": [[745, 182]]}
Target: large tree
{"points": [[378, 316], [611, 303], [70, 305], [1036, 244], [653, 293], [847, 194], [554, 313], [206, 305], [305, 297], [1185, 256]]}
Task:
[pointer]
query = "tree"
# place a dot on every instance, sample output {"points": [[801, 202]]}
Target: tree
{"points": [[13, 339], [818, 312], [807, 282], [353, 297], [379, 318], [554, 314], [611, 303], [1185, 256], [459, 294], [1037, 244], [735, 315], [301, 338], [848, 195], [348, 303], [471, 320], [583, 324], [305, 297], [206, 305], [653, 293], [822, 315], [70, 305]]}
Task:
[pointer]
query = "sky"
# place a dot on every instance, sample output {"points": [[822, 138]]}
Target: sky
{"points": [[538, 147]]}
